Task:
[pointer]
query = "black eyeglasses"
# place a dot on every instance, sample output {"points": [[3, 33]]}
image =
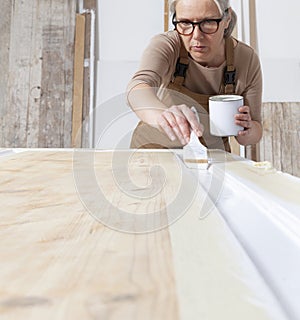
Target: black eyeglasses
{"points": [[186, 27]]}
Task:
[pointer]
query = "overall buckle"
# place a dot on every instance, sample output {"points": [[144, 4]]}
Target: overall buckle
{"points": [[180, 70], [229, 77]]}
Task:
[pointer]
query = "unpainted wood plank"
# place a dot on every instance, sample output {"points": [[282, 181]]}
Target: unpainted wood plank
{"points": [[256, 152], [38, 100], [253, 24], [261, 145], [267, 121], [295, 137], [280, 144], [286, 134], [252, 152], [166, 15], [57, 73], [5, 27], [235, 146], [35, 86], [267, 133], [15, 117], [90, 4], [276, 137], [72, 266], [248, 154], [78, 81], [86, 83], [69, 36]]}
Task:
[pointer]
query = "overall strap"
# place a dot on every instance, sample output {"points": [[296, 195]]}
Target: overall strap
{"points": [[181, 66], [230, 72]]}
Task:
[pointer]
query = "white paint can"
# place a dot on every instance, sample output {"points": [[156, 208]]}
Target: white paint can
{"points": [[222, 109]]}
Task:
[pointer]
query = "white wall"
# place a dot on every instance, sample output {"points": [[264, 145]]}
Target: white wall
{"points": [[125, 27], [278, 45], [279, 48]]}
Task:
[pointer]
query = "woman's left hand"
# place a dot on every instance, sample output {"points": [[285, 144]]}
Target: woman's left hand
{"points": [[244, 120]]}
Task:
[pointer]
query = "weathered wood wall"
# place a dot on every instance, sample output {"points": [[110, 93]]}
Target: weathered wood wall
{"points": [[36, 83], [281, 140]]}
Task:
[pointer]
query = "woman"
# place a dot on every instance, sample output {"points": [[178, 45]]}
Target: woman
{"points": [[192, 62]]}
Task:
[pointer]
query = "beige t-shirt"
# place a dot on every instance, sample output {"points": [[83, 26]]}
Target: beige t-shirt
{"points": [[158, 63]]}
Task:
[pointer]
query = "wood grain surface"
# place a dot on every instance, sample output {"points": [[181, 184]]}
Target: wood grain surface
{"points": [[37, 73], [58, 261], [281, 138], [78, 81]]}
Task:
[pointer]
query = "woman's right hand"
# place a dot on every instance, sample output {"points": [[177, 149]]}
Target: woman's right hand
{"points": [[177, 122]]}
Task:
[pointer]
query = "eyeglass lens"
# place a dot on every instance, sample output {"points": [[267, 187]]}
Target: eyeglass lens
{"points": [[206, 26]]}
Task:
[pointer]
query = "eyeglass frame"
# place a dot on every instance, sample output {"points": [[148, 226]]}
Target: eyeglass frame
{"points": [[197, 23]]}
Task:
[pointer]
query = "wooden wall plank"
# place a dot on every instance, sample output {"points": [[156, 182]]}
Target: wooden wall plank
{"points": [[281, 139], [5, 24], [266, 141], [17, 94], [78, 81], [69, 36], [295, 137], [35, 89], [36, 85], [87, 107], [86, 82], [86, 99], [276, 138], [56, 101], [166, 15], [235, 146], [286, 141], [90, 4]]}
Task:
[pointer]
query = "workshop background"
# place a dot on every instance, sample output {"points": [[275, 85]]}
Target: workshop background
{"points": [[65, 66]]}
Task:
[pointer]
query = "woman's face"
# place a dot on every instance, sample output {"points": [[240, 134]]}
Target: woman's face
{"points": [[207, 49]]}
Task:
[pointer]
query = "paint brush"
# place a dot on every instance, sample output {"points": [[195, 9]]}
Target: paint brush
{"points": [[195, 153]]}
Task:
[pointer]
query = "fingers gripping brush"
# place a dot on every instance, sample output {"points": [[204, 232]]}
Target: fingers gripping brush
{"points": [[195, 153]]}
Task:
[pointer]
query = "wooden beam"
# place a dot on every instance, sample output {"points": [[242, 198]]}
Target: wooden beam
{"points": [[252, 152], [78, 81], [166, 16], [5, 18], [86, 106], [90, 4], [234, 145], [252, 19]]}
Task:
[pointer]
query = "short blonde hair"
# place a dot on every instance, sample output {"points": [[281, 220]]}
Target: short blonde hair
{"points": [[223, 6]]}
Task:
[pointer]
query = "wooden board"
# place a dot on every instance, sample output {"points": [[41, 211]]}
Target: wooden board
{"points": [[281, 139], [38, 73], [234, 145], [78, 81], [59, 262], [166, 15], [83, 125], [89, 70], [90, 4], [5, 24], [87, 106]]}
